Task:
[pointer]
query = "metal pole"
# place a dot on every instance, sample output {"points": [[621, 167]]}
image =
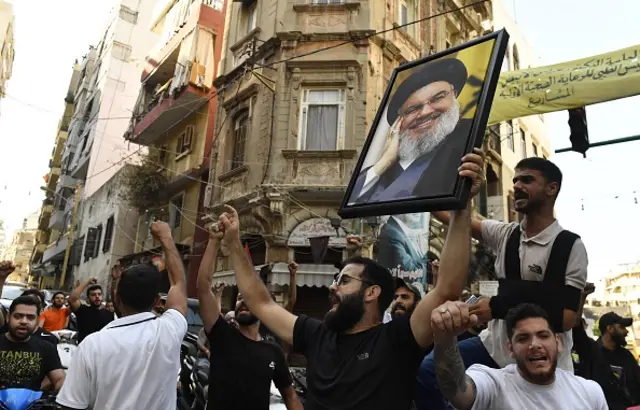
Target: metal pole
{"points": [[67, 252], [603, 143]]}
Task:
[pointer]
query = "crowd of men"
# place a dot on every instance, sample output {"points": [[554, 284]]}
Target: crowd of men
{"points": [[384, 343]]}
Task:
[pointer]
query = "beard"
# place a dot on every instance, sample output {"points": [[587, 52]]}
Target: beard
{"points": [[400, 310], [14, 334], [541, 378], [619, 339], [349, 311], [411, 147], [246, 319], [525, 203]]}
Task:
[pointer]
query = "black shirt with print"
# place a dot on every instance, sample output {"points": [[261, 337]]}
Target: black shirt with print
{"points": [[242, 370], [374, 369], [91, 319], [25, 364]]}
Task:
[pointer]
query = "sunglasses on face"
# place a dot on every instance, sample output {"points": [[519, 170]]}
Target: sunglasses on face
{"points": [[340, 279]]}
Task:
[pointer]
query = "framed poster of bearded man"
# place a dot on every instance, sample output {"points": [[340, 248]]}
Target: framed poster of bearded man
{"points": [[434, 111]]}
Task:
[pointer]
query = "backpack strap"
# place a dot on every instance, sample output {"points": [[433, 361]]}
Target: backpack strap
{"points": [[556, 271], [512, 256]]}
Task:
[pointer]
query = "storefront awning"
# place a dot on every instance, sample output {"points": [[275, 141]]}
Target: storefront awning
{"points": [[308, 275]]}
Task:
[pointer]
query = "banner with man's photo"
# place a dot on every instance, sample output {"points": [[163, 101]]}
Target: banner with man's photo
{"points": [[403, 246]]}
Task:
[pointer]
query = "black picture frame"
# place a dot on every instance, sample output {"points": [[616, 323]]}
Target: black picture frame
{"points": [[459, 196]]}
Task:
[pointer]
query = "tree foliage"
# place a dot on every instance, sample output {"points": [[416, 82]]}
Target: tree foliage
{"points": [[145, 186]]}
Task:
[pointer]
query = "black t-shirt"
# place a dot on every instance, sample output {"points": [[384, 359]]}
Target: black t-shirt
{"points": [[91, 319], [242, 370], [374, 369], [39, 333], [627, 369], [25, 364]]}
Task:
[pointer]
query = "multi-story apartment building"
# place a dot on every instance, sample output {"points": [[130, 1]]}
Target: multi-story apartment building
{"points": [[294, 118], [6, 45], [103, 100], [110, 230], [21, 246], [51, 237], [175, 116]]}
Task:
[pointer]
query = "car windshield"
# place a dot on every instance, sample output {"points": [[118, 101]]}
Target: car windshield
{"points": [[193, 316], [11, 292]]}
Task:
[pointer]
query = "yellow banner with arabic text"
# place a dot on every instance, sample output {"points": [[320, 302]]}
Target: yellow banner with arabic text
{"points": [[567, 85]]}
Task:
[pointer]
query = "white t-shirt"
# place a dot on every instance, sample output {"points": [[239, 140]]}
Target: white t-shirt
{"points": [[506, 389], [534, 255], [132, 363]]}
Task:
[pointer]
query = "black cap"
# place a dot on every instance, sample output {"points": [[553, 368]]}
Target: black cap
{"points": [[413, 287], [610, 319], [450, 70]]}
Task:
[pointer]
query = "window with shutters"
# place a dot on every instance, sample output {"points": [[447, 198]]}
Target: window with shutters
{"points": [[96, 247], [108, 235], [185, 139], [240, 130], [90, 243]]}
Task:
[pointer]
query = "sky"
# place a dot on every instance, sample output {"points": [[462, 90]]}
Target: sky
{"points": [[49, 40]]}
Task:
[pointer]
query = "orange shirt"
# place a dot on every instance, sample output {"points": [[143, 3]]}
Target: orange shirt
{"points": [[54, 319]]}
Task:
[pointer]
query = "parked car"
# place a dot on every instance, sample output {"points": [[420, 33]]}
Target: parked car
{"points": [[194, 321], [10, 292]]}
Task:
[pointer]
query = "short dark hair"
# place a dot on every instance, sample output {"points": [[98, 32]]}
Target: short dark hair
{"points": [[138, 287], [548, 169], [92, 288], [375, 274], [35, 292], [28, 300], [56, 294], [524, 311]]}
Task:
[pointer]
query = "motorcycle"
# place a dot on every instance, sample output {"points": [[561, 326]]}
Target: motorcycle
{"points": [[299, 376], [200, 384], [67, 345], [25, 399]]}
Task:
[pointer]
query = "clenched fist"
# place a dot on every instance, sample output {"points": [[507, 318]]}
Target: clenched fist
{"points": [[6, 269], [161, 230]]}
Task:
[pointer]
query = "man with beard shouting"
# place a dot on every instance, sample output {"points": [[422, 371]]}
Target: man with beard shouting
{"points": [[25, 360], [90, 318], [354, 361], [532, 383], [426, 134], [242, 363], [536, 262]]}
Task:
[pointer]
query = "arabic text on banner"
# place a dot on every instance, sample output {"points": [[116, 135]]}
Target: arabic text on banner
{"points": [[567, 85]]}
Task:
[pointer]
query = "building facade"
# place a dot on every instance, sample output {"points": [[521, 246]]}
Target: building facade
{"points": [[7, 50], [271, 163], [509, 142], [105, 87], [109, 231], [52, 236], [622, 292], [20, 248], [174, 118]]}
